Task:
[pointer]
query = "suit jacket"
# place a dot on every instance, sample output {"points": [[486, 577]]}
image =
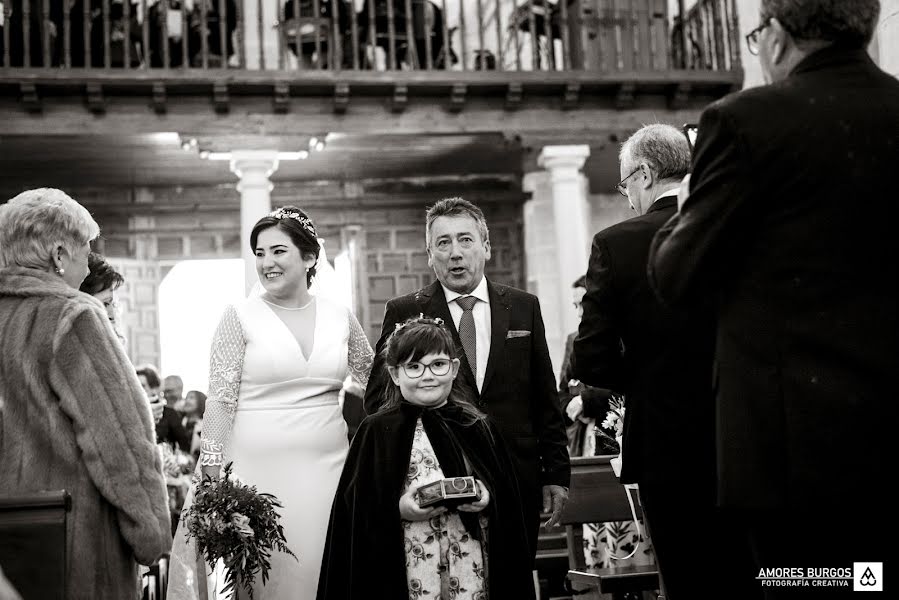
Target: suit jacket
{"points": [[519, 387], [660, 360], [594, 401], [788, 235]]}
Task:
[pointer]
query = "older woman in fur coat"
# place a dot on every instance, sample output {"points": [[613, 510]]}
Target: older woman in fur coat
{"points": [[74, 415]]}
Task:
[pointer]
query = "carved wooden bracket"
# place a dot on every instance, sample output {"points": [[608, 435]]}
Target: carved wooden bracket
{"points": [[220, 98], [513, 96], [679, 97], [624, 99], [282, 97], [341, 98], [572, 96], [457, 97], [95, 102], [159, 98], [30, 98], [400, 98]]}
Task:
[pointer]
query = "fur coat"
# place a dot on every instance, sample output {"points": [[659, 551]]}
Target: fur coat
{"points": [[74, 417]]}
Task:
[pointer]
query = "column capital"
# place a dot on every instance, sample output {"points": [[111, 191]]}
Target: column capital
{"points": [[566, 157], [254, 167]]}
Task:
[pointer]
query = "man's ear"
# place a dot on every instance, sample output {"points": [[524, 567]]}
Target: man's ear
{"points": [[394, 375], [646, 176], [779, 41], [486, 249]]}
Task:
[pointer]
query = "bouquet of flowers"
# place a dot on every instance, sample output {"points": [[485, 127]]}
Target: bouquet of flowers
{"points": [[610, 431], [233, 522]]}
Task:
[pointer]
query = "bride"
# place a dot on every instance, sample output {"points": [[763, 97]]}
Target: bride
{"points": [[277, 364]]}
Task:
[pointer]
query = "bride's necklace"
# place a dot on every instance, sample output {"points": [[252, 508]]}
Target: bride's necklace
{"points": [[307, 305]]}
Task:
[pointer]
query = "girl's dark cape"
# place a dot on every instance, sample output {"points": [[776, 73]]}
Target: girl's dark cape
{"points": [[364, 556]]}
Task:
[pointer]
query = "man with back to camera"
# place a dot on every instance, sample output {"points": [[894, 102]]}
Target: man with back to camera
{"points": [[499, 330], [786, 236], [661, 360]]}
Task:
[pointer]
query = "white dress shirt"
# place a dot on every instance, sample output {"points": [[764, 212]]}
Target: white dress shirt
{"points": [[481, 314]]}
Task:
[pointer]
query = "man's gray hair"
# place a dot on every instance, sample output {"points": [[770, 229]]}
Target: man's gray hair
{"points": [[36, 222], [663, 147], [456, 207], [849, 23]]}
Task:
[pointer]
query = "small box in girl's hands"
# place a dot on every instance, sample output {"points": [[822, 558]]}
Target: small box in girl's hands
{"points": [[449, 492]]}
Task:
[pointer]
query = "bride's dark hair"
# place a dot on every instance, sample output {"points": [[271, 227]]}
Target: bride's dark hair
{"points": [[415, 339]]}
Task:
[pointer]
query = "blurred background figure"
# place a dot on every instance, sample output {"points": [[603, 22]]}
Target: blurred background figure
{"points": [[101, 282], [192, 421], [172, 440], [64, 376], [583, 406], [173, 391]]}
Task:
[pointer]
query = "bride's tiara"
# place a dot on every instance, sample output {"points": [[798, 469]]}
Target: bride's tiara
{"points": [[306, 222]]}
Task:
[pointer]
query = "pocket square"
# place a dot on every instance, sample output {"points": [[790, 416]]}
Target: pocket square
{"points": [[517, 333]]}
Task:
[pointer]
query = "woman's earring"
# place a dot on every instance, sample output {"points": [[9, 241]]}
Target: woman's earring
{"points": [[60, 271]]}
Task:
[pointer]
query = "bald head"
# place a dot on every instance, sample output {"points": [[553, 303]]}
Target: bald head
{"points": [[173, 390]]}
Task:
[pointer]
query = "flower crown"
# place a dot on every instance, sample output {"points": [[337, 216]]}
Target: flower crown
{"points": [[306, 222], [417, 320]]}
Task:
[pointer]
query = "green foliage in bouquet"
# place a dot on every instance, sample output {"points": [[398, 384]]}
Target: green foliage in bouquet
{"points": [[233, 522]]}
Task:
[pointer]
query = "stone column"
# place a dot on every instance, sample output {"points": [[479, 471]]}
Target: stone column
{"points": [[570, 216], [254, 168]]}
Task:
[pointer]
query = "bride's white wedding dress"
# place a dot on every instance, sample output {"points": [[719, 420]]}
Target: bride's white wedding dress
{"points": [[275, 413]]}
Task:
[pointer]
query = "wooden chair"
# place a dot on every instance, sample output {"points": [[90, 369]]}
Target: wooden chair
{"points": [[596, 496], [33, 548]]}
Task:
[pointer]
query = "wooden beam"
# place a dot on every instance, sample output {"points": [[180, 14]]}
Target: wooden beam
{"points": [[61, 116], [281, 98], [341, 98], [30, 98]]}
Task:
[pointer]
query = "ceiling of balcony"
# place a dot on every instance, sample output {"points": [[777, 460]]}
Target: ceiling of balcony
{"points": [[159, 159], [135, 160]]}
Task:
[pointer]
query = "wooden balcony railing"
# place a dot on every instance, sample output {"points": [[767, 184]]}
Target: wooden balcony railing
{"points": [[373, 35]]}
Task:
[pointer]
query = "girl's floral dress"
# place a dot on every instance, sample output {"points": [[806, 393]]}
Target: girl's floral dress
{"points": [[443, 562]]}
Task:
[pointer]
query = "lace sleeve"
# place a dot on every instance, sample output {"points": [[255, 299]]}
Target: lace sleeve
{"points": [[225, 368], [359, 352]]}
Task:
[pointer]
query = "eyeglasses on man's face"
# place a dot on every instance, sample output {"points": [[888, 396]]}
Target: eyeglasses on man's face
{"points": [[752, 38], [622, 185], [439, 368]]}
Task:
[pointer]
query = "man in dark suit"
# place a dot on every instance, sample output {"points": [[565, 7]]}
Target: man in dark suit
{"points": [[499, 330], [662, 362], [787, 234]]}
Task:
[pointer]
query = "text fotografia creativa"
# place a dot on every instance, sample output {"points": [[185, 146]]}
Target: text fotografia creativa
{"points": [[860, 576]]}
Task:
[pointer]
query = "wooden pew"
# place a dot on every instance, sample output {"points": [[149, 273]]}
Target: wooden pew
{"points": [[596, 496], [33, 543]]}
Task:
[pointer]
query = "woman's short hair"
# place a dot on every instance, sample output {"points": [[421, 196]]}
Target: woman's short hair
{"points": [[101, 276], [151, 374], [36, 222], [298, 227]]}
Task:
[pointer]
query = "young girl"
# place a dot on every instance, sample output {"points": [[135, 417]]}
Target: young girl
{"points": [[381, 542]]}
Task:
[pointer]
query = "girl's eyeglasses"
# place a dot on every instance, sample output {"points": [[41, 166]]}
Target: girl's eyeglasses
{"points": [[439, 367]]}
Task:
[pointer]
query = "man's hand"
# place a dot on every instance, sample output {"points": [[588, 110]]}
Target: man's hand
{"points": [[575, 408], [411, 511], [684, 192], [157, 406], [554, 498], [481, 502]]}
